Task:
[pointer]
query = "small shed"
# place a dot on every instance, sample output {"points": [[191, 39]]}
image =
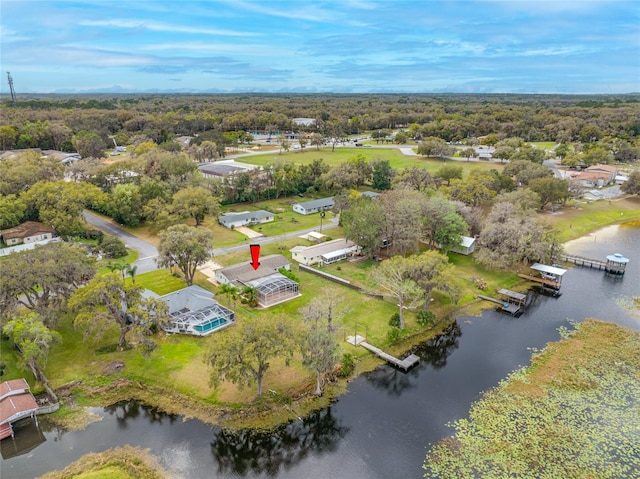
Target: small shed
{"points": [[466, 247]]}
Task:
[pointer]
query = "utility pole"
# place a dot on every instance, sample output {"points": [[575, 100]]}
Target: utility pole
{"points": [[13, 92]]}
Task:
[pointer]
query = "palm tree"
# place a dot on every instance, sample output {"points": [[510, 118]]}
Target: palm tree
{"points": [[117, 267], [131, 271], [249, 295], [231, 292]]}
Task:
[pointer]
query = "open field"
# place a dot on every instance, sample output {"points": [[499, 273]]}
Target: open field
{"points": [[341, 155]]}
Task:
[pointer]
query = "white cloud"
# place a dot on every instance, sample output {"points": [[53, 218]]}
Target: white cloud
{"points": [[163, 27]]}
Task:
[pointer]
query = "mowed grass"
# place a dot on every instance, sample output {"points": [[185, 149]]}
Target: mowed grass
{"points": [[395, 157], [160, 281], [574, 222]]}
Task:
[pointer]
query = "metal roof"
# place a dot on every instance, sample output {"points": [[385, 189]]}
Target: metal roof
{"points": [[244, 215], [617, 258], [320, 203], [543, 268]]}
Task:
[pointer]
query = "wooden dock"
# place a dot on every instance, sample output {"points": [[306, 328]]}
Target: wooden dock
{"points": [[586, 262], [545, 282], [506, 306], [404, 364]]}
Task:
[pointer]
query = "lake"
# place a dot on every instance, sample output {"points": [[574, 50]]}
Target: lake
{"points": [[383, 426]]}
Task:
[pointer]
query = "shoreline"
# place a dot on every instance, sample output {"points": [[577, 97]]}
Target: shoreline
{"points": [[263, 413]]}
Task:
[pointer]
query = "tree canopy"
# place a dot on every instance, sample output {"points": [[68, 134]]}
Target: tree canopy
{"points": [[186, 247]]}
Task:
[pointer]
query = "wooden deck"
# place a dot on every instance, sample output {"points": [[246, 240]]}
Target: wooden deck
{"points": [[586, 262], [506, 306], [546, 282], [404, 364]]}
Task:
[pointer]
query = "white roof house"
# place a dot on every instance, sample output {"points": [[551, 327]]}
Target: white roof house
{"points": [[324, 253], [310, 207], [233, 220], [466, 247]]}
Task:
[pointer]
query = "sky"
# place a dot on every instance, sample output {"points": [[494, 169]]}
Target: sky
{"points": [[341, 46]]}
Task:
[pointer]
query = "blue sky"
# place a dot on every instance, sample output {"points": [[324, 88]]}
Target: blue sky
{"points": [[358, 46]]}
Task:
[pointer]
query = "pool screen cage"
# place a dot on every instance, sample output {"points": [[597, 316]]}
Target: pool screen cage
{"points": [[274, 289]]}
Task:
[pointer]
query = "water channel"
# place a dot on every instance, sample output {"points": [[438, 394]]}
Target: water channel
{"points": [[383, 427]]}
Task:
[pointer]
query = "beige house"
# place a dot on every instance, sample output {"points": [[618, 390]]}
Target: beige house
{"points": [[27, 232], [324, 253]]}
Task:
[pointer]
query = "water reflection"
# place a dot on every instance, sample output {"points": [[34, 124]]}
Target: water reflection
{"points": [[127, 411], [434, 352], [27, 437], [268, 452]]}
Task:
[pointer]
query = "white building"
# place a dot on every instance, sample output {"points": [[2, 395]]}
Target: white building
{"points": [[310, 207], [243, 218], [324, 253]]}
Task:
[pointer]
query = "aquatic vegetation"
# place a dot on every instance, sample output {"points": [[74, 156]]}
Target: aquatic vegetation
{"points": [[573, 413]]}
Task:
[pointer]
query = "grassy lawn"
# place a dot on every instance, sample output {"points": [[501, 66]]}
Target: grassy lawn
{"points": [[575, 222], [160, 281], [340, 155], [543, 145]]}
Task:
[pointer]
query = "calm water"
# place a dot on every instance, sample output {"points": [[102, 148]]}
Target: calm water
{"points": [[383, 427]]}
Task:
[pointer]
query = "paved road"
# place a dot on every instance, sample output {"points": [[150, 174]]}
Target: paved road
{"points": [[146, 251]]}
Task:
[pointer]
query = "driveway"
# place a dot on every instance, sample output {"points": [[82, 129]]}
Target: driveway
{"points": [[146, 251]]}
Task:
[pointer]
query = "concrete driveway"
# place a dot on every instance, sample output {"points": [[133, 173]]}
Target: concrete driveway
{"points": [[147, 252]]}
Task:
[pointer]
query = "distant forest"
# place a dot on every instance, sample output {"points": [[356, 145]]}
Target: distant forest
{"points": [[51, 121]]}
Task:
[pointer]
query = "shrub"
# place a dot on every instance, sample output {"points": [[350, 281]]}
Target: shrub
{"points": [[347, 365], [394, 334], [394, 321], [289, 274], [426, 318], [113, 247]]}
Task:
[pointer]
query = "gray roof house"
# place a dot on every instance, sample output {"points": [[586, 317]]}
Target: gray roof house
{"points": [[310, 207], [233, 220], [272, 287], [324, 253], [194, 311]]}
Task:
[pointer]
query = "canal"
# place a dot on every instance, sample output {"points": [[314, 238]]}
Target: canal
{"points": [[384, 425]]}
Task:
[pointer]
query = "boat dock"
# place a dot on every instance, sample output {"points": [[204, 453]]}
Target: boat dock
{"points": [[615, 263], [582, 261], [513, 303], [404, 364], [545, 282]]}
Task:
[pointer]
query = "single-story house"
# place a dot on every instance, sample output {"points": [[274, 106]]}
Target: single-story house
{"points": [[313, 206], [224, 169], [304, 121], [609, 170], [243, 218], [592, 178], [370, 194], [467, 246], [272, 286], [27, 232], [194, 311], [324, 253]]}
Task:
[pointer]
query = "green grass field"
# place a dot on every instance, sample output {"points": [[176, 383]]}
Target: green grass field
{"points": [[340, 155]]}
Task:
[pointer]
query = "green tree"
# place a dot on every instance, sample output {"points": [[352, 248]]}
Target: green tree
{"points": [[231, 292], [12, 210], [474, 191], [432, 270], [185, 247], [449, 172], [8, 135], [382, 174], [22, 172], [319, 350], [441, 224], [107, 299], [60, 204], [34, 340], [468, 153], [393, 276], [550, 190], [42, 279], [125, 204], [195, 202], [632, 185], [363, 224], [243, 356], [88, 145]]}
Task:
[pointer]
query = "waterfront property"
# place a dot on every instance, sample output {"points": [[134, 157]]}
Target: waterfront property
{"points": [[324, 253], [194, 311], [272, 287], [16, 402], [314, 206], [243, 218], [615, 263]]}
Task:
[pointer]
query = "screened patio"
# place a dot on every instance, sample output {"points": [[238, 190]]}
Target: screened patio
{"points": [[274, 289]]}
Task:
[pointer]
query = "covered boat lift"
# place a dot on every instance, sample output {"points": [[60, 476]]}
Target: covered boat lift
{"points": [[550, 276]]}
